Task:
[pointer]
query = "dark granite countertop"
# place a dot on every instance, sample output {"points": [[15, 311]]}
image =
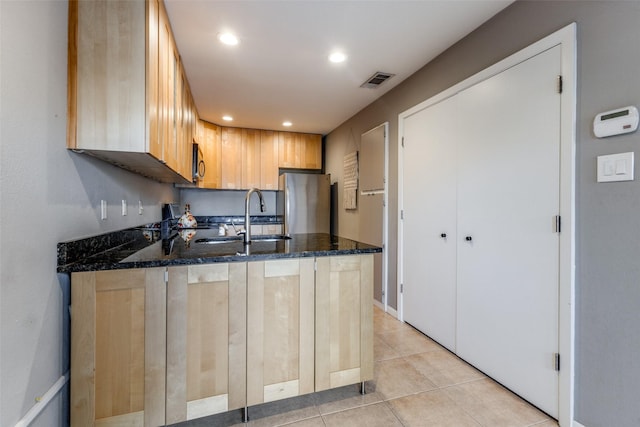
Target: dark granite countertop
{"points": [[143, 248]]}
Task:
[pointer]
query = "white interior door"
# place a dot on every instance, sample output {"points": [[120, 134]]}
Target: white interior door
{"points": [[370, 226], [372, 182], [372, 159], [429, 210], [508, 250]]}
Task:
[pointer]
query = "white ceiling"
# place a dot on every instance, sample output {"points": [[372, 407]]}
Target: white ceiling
{"points": [[279, 70]]}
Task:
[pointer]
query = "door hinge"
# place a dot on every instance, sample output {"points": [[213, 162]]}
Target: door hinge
{"points": [[401, 288], [559, 87], [403, 142], [558, 224], [166, 276], [556, 357], [402, 214]]}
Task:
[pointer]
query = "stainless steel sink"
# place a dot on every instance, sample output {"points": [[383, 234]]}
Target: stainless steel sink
{"points": [[222, 239], [270, 238], [228, 239]]}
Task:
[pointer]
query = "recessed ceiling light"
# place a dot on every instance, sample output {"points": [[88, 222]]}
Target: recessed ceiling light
{"points": [[227, 118], [228, 39], [287, 123], [337, 57]]}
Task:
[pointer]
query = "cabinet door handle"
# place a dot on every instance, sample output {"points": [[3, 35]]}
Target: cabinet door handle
{"points": [[443, 235], [468, 238]]}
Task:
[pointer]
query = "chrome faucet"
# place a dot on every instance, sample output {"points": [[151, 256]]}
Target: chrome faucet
{"points": [[247, 216]]}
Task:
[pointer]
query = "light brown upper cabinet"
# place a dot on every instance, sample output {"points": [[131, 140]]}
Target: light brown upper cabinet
{"points": [[127, 95], [310, 151], [242, 165], [299, 150], [269, 155], [184, 125], [253, 157], [232, 153], [210, 141], [288, 150]]}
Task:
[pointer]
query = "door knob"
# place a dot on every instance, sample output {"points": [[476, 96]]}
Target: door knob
{"points": [[443, 235], [468, 238]]}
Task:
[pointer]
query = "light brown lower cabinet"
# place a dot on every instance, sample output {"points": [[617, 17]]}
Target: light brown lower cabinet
{"points": [[344, 320], [206, 340], [118, 344], [158, 346], [280, 327]]}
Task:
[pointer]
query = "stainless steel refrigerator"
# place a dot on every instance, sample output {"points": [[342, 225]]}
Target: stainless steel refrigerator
{"points": [[304, 201]]}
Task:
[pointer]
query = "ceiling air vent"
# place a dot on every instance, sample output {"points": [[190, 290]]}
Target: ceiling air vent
{"points": [[376, 80]]}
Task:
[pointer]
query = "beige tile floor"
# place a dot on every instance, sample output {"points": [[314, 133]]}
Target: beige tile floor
{"points": [[417, 383]]}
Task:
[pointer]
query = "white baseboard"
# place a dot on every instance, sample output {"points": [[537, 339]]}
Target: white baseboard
{"points": [[577, 424], [44, 400], [392, 311], [389, 311]]}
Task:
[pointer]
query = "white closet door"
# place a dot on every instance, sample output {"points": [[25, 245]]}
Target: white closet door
{"points": [[508, 196], [429, 204]]}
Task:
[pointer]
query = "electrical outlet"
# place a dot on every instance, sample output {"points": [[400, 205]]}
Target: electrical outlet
{"points": [[124, 207], [103, 209], [140, 208]]}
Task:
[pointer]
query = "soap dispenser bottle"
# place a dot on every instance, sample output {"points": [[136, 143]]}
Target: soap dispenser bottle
{"points": [[187, 220]]}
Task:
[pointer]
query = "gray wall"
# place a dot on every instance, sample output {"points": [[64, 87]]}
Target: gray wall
{"points": [[48, 194], [608, 219], [56, 192], [226, 202]]}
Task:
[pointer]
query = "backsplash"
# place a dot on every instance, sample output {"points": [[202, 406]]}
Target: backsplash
{"points": [[225, 202]]}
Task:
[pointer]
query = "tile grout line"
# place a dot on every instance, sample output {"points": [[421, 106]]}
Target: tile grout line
{"points": [[395, 414]]}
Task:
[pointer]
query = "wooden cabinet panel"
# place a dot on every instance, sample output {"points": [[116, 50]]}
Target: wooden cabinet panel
{"points": [[206, 340], [167, 67], [108, 112], [124, 88], [118, 341], [251, 158], [310, 151], [232, 151], [212, 151], [300, 150], [154, 146], [150, 351], [280, 331], [344, 321], [269, 154], [288, 150], [184, 134]]}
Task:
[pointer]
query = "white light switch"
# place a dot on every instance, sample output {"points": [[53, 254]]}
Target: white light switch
{"points": [[608, 167], [615, 167]]}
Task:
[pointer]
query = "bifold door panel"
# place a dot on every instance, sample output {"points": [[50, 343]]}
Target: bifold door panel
{"points": [[481, 256]]}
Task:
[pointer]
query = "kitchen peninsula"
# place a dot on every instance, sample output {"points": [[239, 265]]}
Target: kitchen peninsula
{"points": [[167, 330]]}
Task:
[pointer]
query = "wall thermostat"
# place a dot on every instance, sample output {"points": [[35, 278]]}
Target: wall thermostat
{"points": [[616, 122]]}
